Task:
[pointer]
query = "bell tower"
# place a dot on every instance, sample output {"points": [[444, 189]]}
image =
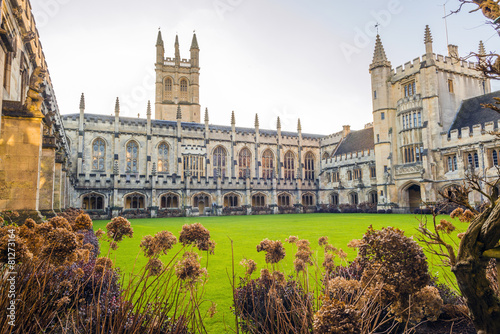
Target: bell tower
{"points": [[177, 83]]}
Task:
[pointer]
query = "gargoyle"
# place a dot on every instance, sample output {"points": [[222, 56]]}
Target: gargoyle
{"points": [[34, 99]]}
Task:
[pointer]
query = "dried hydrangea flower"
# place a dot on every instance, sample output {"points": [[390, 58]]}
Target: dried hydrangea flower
{"points": [[118, 228], [82, 222]]}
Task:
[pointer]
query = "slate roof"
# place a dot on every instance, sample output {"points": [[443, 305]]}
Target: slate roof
{"points": [[356, 141], [471, 112]]}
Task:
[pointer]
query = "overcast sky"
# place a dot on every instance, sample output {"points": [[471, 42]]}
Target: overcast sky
{"points": [[287, 58]]}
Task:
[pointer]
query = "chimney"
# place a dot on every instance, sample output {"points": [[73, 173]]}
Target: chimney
{"points": [[346, 130]]}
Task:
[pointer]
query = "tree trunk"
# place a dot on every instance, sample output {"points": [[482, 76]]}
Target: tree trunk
{"points": [[470, 271]]}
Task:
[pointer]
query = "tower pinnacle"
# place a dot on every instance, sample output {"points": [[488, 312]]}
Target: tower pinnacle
{"points": [[256, 120], [206, 115], [177, 52], [482, 51], [194, 43], [117, 106], [278, 123], [428, 40], [148, 112], [179, 112], [159, 40], [379, 57], [233, 119], [299, 126], [82, 102]]}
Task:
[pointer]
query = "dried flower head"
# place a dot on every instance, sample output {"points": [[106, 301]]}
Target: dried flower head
{"points": [[265, 274], [250, 265], [30, 223], [44, 229], [323, 241], [342, 254], [299, 265], [198, 235], [445, 226], [99, 233], [354, 243], [63, 302], [467, 217], [154, 266], [113, 245], [456, 213], [189, 269], [59, 222], [118, 228], [275, 251], [328, 263], [292, 239], [330, 248], [82, 222], [279, 277], [103, 263], [61, 245], [336, 317], [22, 252]]}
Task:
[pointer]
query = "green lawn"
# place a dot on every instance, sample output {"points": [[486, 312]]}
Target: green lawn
{"points": [[247, 232]]}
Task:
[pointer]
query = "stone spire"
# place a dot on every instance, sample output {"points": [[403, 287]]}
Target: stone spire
{"points": [[117, 106], [278, 123], [481, 52], [299, 126], [256, 120], [233, 119], [148, 112], [177, 52], [179, 112], [428, 40], [194, 43], [379, 57], [82, 102], [206, 115], [159, 40]]}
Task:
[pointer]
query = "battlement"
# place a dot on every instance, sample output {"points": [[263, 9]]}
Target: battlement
{"points": [[171, 62], [444, 63], [464, 135]]}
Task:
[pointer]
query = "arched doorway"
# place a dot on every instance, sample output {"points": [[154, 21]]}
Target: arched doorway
{"points": [[201, 201], [414, 197]]}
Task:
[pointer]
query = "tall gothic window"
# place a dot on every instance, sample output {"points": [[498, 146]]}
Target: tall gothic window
{"points": [[284, 200], [163, 158], [98, 154], [244, 159], [354, 198], [194, 164], [334, 199], [132, 155], [168, 89], [309, 166], [289, 166], [220, 161], [267, 164], [184, 90]]}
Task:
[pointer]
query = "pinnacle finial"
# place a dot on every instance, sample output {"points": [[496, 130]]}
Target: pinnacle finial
{"points": [[482, 51], [278, 123], [194, 43], [206, 115], [117, 106], [256, 120], [299, 126], [177, 52], [82, 102], [159, 40], [379, 57], [428, 35], [233, 119], [179, 112], [148, 112]]}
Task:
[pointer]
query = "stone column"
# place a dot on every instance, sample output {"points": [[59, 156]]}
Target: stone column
{"points": [[20, 149], [58, 186], [47, 172]]}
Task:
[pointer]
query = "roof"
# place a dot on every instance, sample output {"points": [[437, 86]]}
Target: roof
{"points": [[471, 112], [356, 141]]}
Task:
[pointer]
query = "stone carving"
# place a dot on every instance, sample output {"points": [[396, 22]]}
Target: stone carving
{"points": [[29, 36], [115, 168], [34, 99], [412, 169]]}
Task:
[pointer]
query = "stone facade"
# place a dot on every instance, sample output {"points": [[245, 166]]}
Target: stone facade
{"points": [[175, 164], [33, 147]]}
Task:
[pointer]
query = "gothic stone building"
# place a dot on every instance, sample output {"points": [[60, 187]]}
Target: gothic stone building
{"points": [[33, 146], [428, 128]]}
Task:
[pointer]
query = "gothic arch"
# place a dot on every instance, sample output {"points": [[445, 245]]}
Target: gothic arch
{"points": [[135, 200], [232, 199], [410, 195], [259, 199], [169, 199], [308, 199], [201, 201], [93, 200], [285, 199]]}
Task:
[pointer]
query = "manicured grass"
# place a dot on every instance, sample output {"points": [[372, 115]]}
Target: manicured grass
{"points": [[246, 232]]}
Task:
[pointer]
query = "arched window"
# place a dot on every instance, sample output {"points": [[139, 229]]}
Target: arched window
{"points": [[231, 200], [267, 164], [372, 197], [168, 89], [135, 201], [98, 154], [93, 202], [244, 160], [494, 155], [307, 200], [284, 200], [169, 201], [469, 160], [289, 166], [309, 166], [258, 200], [334, 199], [354, 198], [163, 158], [219, 161], [184, 89], [325, 156], [132, 154]]}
